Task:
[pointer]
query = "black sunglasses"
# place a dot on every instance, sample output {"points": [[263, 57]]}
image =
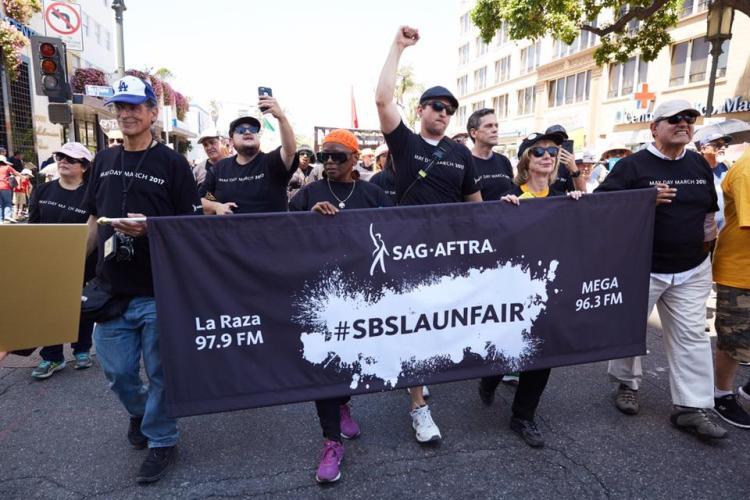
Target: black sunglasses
{"points": [[324, 156], [69, 159], [249, 129], [439, 106], [118, 141], [675, 119], [538, 151]]}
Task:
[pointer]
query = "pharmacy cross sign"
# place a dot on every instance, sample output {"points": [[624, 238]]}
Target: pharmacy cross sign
{"points": [[644, 97]]}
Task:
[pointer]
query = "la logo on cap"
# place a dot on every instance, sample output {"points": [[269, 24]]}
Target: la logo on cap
{"points": [[123, 87]]}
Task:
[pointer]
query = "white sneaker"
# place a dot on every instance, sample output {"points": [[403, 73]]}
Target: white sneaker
{"points": [[424, 427], [425, 391]]}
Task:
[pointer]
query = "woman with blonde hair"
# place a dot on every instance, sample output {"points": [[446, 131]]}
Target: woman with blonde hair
{"points": [[539, 157]]}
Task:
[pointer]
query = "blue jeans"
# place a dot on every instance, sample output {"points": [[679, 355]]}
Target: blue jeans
{"points": [[119, 345], [6, 203]]}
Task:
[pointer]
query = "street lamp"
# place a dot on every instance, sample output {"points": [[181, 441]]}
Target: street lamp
{"points": [[119, 7], [720, 18]]}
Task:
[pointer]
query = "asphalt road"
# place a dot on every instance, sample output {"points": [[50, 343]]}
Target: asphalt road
{"points": [[65, 438]]}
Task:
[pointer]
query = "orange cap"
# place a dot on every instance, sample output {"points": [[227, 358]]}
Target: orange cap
{"points": [[343, 137]]}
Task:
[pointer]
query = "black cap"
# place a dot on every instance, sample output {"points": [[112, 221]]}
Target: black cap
{"points": [[436, 93], [557, 129], [555, 136], [243, 119]]}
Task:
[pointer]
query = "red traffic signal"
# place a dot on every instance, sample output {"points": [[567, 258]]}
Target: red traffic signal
{"points": [[50, 68], [47, 50]]}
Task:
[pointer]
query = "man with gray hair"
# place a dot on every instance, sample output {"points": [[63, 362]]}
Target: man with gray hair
{"points": [[214, 145], [680, 267]]}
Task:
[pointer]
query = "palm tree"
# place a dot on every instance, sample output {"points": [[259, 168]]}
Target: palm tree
{"points": [[164, 74], [406, 94], [215, 108]]}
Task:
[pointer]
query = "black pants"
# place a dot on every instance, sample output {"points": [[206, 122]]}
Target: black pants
{"points": [[531, 385], [329, 415], [55, 352]]}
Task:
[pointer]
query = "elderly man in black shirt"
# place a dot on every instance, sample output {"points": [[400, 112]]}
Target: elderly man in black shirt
{"points": [[680, 270]]}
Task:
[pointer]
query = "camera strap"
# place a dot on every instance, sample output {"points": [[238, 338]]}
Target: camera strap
{"points": [[126, 185], [441, 151]]}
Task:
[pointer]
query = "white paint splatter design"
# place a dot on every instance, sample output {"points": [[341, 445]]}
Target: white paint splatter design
{"points": [[334, 300]]}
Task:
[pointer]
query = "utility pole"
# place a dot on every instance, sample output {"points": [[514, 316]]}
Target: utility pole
{"points": [[119, 7]]}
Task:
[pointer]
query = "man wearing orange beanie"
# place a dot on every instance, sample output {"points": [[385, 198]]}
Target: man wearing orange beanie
{"points": [[339, 190], [430, 168]]}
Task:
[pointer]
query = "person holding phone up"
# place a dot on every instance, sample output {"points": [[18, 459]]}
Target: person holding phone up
{"points": [[252, 181]]}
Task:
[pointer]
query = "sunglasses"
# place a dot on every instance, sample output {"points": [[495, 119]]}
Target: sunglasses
{"points": [[249, 129], [113, 141], [675, 119], [324, 156], [718, 144], [68, 159], [439, 106], [539, 151]]}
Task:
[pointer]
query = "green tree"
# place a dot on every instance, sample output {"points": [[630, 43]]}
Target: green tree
{"points": [[164, 74], [406, 92], [637, 25]]}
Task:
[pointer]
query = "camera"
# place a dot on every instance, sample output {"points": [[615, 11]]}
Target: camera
{"points": [[119, 248]]}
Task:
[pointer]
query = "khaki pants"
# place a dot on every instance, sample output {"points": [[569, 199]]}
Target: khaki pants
{"points": [[682, 311]]}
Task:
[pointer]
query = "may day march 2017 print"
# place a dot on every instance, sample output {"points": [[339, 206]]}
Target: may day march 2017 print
{"points": [[257, 310]]}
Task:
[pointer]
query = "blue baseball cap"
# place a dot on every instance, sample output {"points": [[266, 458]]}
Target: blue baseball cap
{"points": [[131, 90]]}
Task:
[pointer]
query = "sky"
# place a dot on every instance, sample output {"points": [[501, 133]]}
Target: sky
{"points": [[311, 53]]}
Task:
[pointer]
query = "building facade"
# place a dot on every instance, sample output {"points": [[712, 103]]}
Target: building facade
{"points": [[534, 84]]}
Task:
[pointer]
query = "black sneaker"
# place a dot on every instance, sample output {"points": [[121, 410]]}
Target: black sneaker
{"points": [[156, 464], [135, 436], [731, 412], [528, 431], [486, 395]]}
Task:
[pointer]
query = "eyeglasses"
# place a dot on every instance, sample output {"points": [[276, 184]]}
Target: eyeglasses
{"points": [[335, 157], [675, 119], [439, 106], [68, 159], [250, 129], [718, 144], [539, 151]]}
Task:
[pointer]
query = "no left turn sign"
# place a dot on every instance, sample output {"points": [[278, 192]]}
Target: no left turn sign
{"points": [[63, 20]]}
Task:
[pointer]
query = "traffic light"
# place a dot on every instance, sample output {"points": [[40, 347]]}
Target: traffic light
{"points": [[50, 68]]}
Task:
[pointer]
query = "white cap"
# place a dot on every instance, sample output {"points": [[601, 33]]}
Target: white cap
{"points": [[75, 150], [587, 157], [131, 90], [711, 137], [4, 160], [671, 108], [27, 171], [209, 133], [382, 149]]}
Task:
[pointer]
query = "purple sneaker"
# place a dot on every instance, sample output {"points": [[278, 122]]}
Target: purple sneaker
{"points": [[330, 460], [349, 428]]}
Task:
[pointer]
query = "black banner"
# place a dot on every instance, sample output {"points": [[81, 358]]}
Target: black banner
{"points": [[258, 310]]}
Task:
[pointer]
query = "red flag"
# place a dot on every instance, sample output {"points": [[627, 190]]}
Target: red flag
{"points": [[355, 121]]}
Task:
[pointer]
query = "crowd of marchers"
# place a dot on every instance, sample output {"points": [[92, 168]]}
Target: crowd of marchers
{"points": [[701, 239]]}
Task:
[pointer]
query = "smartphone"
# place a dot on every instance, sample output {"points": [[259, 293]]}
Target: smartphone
{"points": [[264, 91], [567, 145]]}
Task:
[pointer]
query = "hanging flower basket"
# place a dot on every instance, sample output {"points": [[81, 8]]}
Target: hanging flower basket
{"points": [[87, 76], [11, 44], [182, 104], [22, 10]]}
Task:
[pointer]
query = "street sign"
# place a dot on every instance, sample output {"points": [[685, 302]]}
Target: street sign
{"points": [[60, 113], [63, 20], [99, 91]]}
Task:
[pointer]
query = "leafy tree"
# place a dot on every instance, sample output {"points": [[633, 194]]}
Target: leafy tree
{"points": [[406, 94], [637, 25]]}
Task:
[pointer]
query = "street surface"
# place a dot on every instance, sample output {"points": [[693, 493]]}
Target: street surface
{"points": [[64, 438]]}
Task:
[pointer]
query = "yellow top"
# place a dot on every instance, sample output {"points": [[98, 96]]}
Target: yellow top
{"points": [[732, 256], [528, 193]]}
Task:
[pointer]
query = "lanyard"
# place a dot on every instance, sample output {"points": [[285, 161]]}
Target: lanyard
{"points": [[127, 184]]}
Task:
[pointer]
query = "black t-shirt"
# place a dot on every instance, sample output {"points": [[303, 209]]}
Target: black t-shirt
{"points": [[386, 180], [678, 229], [448, 181], [53, 204], [564, 182], [164, 185], [363, 195], [259, 186], [494, 176]]}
